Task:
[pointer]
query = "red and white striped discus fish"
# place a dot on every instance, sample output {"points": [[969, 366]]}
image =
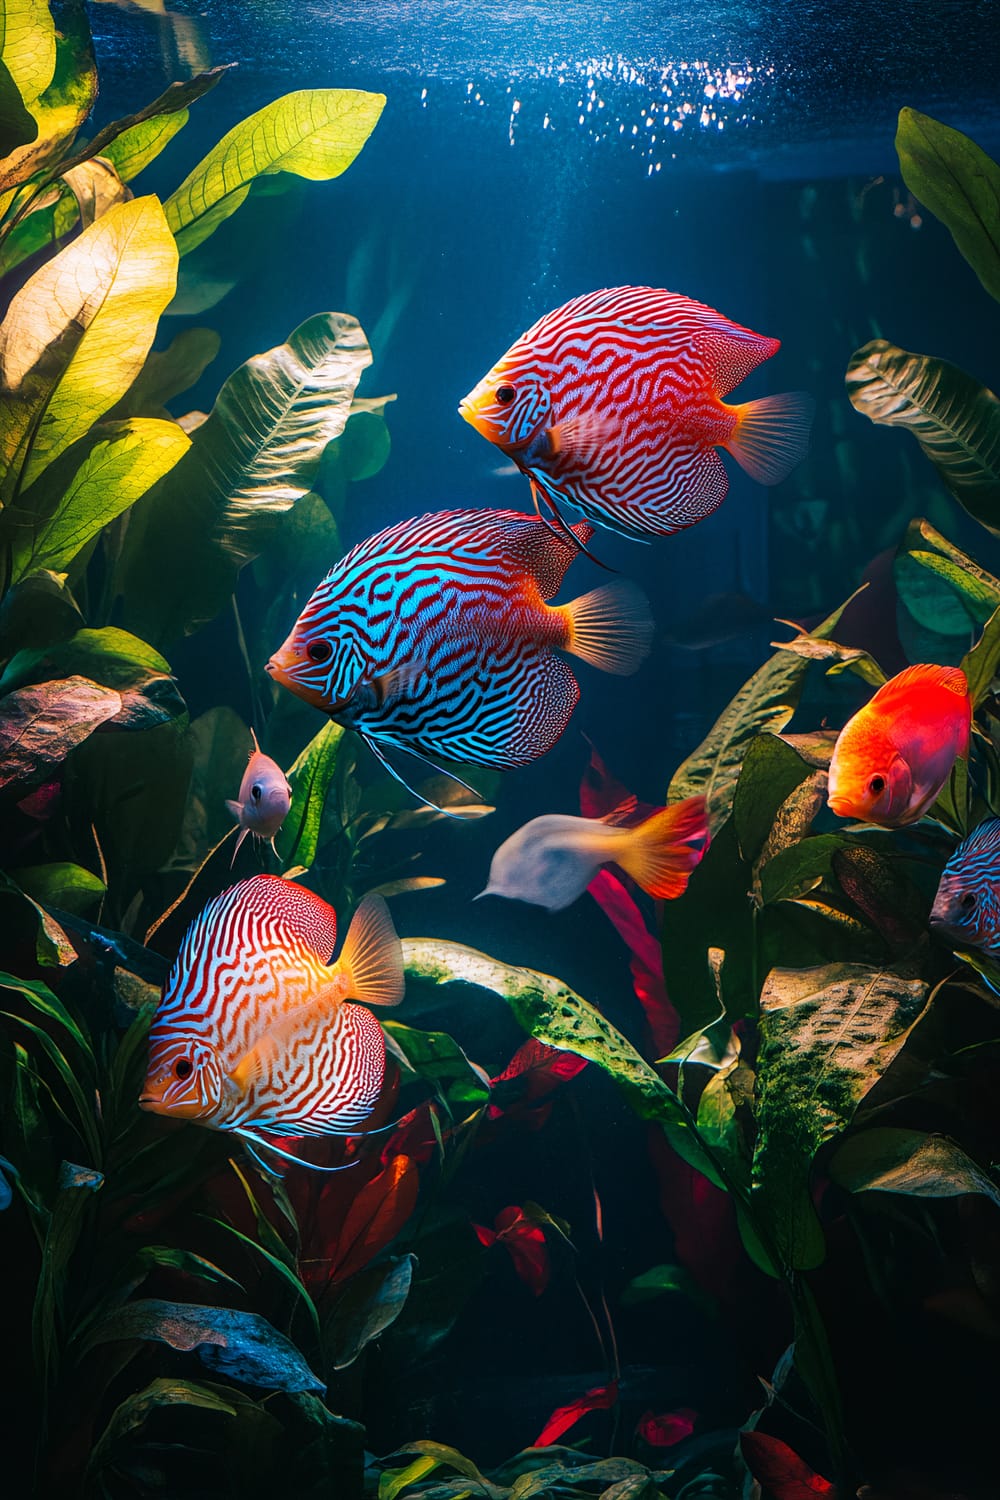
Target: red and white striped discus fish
{"points": [[613, 404], [436, 636], [252, 1032]]}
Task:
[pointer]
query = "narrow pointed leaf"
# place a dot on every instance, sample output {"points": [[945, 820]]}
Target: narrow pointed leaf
{"points": [[955, 420], [315, 133]]}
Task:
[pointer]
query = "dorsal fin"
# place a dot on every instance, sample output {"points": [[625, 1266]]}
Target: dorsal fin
{"points": [[927, 675], [539, 550], [289, 910]]}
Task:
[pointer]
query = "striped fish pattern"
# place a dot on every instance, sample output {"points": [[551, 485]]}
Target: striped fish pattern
{"points": [[436, 636], [252, 1030], [967, 905], [613, 404]]}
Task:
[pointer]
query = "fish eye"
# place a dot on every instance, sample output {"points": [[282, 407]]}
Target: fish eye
{"points": [[968, 901], [505, 394], [319, 651], [876, 785], [183, 1068], [255, 792]]}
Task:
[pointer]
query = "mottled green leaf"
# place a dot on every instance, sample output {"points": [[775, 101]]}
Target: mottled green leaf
{"points": [[955, 420], [959, 183], [827, 1037], [550, 1011], [315, 133], [770, 772]]}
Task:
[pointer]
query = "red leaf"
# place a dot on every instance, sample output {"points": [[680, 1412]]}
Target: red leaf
{"points": [[647, 959], [601, 794], [668, 1428], [485, 1236], [600, 1398], [376, 1216], [701, 1216], [785, 1475], [525, 1243], [534, 1071]]}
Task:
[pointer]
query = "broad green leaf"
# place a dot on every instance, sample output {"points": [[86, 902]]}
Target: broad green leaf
{"points": [[367, 1305], [248, 463], [827, 1037], [240, 1345], [39, 726], [109, 656], [959, 183], [715, 911], [943, 595], [550, 1011], [765, 703], [65, 103], [132, 1413], [982, 662], [879, 889], [770, 772], [76, 335], [34, 232], [28, 45], [132, 142], [52, 522], [67, 886], [955, 420], [394, 1481], [795, 870], [169, 372], [888, 1160], [435, 1056], [315, 133]]}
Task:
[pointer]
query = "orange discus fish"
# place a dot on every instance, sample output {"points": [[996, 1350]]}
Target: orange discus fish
{"points": [[552, 859], [252, 1032], [892, 759], [614, 404]]}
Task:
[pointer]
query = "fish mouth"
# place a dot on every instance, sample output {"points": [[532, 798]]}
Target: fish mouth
{"points": [[841, 806]]}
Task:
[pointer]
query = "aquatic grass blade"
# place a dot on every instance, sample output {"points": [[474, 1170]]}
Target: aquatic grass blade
{"points": [[959, 183]]}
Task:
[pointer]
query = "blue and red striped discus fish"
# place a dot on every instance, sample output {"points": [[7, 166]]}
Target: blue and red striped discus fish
{"points": [[967, 905], [252, 1031], [436, 636], [613, 403]]}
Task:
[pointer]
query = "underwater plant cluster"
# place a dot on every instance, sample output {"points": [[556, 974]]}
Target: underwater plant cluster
{"points": [[252, 1229]]}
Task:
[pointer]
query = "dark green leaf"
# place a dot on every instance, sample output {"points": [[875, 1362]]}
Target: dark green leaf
{"points": [[17, 126], [134, 1411], [959, 183], [184, 1261], [168, 373], [434, 1056], [61, 884], [955, 420], [770, 772], [795, 870], [110, 657], [76, 1184], [310, 776], [367, 1305], [982, 662]]}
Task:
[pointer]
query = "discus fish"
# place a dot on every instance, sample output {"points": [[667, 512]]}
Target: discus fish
{"points": [[552, 859], [252, 1031], [967, 905], [894, 756], [436, 636], [263, 801], [613, 404]]}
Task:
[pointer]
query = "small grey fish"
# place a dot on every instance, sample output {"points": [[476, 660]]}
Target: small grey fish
{"points": [[263, 801]]}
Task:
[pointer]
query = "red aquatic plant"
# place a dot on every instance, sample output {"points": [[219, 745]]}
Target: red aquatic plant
{"points": [[664, 1429], [779, 1470], [598, 1398], [525, 1243]]}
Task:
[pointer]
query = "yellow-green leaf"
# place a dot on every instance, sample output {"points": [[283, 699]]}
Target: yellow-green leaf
{"points": [[116, 472], [315, 133], [28, 45], [77, 334], [136, 147], [65, 103]]}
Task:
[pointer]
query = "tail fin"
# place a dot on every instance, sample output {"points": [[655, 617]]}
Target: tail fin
{"points": [[661, 853], [611, 627], [771, 435], [372, 956]]}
